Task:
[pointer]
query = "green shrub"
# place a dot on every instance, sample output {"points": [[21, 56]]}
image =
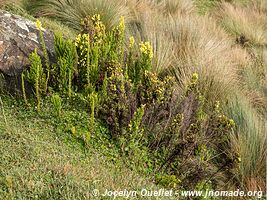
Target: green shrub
{"points": [[62, 73], [45, 54], [169, 181], [36, 76], [135, 133], [118, 107]]}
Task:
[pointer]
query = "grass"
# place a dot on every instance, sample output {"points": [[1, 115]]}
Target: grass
{"points": [[56, 26], [243, 21], [70, 12], [39, 160], [251, 141]]}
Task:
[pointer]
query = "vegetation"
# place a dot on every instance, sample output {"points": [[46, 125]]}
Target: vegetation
{"points": [[172, 90], [43, 157]]}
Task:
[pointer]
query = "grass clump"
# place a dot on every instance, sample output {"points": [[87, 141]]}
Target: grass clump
{"points": [[246, 22], [250, 142], [71, 12]]}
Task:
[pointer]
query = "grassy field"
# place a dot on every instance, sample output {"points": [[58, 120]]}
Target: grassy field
{"points": [[40, 159]]}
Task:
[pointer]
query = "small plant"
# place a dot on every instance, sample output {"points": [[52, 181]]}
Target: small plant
{"points": [[36, 76], [118, 108], [57, 103], [169, 181], [137, 68], [205, 186], [203, 153], [135, 133], [46, 58], [23, 88], [90, 44]]}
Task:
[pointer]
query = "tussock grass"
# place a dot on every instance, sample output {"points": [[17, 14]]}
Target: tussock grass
{"points": [[70, 12], [247, 21], [251, 142], [8, 2], [200, 46], [170, 7], [152, 27], [254, 79], [185, 43]]}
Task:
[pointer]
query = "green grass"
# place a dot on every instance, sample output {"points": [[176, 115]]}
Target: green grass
{"points": [[251, 140], [41, 159]]}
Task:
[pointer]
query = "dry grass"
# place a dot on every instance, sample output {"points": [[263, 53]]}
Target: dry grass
{"points": [[170, 7], [249, 21], [185, 42], [5, 2]]}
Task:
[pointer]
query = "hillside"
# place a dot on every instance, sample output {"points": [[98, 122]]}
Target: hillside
{"points": [[134, 96], [40, 161]]}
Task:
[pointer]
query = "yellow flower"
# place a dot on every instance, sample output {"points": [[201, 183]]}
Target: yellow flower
{"points": [[38, 24], [194, 78], [131, 42], [73, 130], [231, 123], [146, 49], [122, 24], [96, 18]]}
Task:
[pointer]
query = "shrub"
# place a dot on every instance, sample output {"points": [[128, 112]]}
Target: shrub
{"points": [[191, 144], [46, 58], [98, 51], [62, 73], [118, 107], [169, 181], [36, 76]]}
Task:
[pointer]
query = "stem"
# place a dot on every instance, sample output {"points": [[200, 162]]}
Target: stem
{"points": [[3, 111], [46, 58], [37, 88], [23, 89], [69, 85]]}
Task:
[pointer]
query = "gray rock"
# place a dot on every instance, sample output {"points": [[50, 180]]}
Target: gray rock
{"points": [[18, 38]]}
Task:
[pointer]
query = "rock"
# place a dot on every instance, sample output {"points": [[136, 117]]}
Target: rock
{"points": [[18, 38]]}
